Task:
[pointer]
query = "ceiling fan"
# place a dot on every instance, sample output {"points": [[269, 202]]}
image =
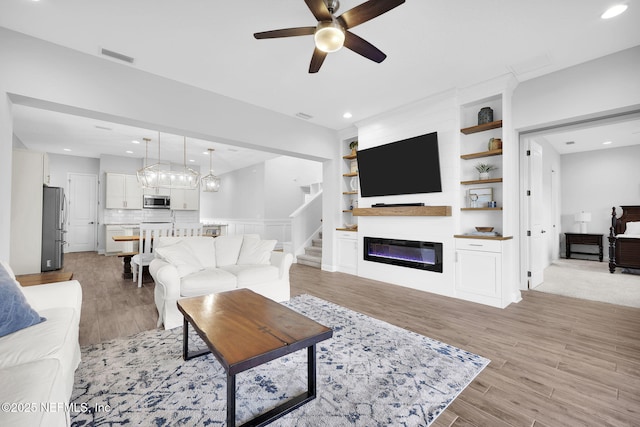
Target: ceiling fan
{"points": [[332, 32]]}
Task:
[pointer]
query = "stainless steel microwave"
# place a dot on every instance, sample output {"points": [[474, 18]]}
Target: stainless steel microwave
{"points": [[156, 202]]}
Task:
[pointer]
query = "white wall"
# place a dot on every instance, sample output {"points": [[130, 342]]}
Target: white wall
{"points": [[41, 74], [6, 148], [284, 177], [269, 190], [438, 114], [605, 85], [595, 181], [60, 166]]}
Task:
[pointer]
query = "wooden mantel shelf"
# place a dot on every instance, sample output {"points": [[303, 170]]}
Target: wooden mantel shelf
{"points": [[404, 211]]}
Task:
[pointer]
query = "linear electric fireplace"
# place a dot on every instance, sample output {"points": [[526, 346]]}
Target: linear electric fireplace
{"points": [[405, 253]]}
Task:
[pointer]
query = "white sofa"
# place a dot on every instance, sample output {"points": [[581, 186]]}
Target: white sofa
{"points": [[37, 363], [193, 266]]}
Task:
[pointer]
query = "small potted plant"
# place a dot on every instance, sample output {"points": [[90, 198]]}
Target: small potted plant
{"points": [[484, 169], [353, 145]]}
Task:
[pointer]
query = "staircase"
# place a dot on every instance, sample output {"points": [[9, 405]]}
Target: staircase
{"points": [[312, 254]]}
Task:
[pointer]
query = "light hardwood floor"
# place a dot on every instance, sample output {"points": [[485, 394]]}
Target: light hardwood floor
{"points": [[555, 361]]}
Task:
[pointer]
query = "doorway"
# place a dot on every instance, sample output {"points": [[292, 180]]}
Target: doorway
{"points": [[81, 222], [586, 166]]}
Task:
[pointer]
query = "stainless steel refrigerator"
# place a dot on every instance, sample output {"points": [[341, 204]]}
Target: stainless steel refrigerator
{"points": [[53, 223]]}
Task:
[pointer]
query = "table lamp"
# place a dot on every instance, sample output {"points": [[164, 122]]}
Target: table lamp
{"points": [[583, 218]]}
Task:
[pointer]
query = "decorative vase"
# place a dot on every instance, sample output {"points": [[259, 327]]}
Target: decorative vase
{"points": [[485, 115], [484, 175], [494, 144]]}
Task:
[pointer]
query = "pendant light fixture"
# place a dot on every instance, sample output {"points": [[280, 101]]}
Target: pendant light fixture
{"points": [[187, 179], [160, 175], [210, 183]]}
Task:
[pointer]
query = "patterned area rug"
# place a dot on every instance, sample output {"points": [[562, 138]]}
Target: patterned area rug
{"points": [[370, 373]]}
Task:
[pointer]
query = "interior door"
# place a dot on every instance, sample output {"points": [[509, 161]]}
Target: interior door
{"points": [[537, 240], [82, 203]]}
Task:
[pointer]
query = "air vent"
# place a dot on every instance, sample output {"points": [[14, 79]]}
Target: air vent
{"points": [[117, 56], [303, 116], [103, 127], [570, 142]]}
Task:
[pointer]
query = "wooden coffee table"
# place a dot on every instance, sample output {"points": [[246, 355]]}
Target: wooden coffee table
{"points": [[243, 330]]}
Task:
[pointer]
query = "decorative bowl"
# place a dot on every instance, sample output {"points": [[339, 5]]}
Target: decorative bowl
{"points": [[484, 229], [351, 226]]}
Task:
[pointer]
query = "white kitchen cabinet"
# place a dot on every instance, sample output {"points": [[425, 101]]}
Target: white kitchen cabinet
{"points": [[111, 246], [123, 192], [480, 271], [185, 200], [156, 192], [347, 252]]}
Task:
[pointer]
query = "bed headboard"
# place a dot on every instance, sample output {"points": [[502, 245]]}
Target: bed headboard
{"points": [[629, 214]]}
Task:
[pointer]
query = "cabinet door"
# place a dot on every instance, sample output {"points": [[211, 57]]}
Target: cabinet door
{"points": [[110, 245], [347, 255], [185, 200], [115, 191], [133, 192], [479, 272]]}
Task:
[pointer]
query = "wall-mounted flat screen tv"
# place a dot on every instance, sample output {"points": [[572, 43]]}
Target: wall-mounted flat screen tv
{"points": [[410, 166]]}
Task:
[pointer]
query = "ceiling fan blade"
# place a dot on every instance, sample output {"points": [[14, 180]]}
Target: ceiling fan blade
{"points": [[286, 32], [319, 9], [367, 11], [363, 47], [316, 60]]}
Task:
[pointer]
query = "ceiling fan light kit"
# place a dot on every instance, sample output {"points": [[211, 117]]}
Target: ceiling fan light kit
{"points": [[331, 33], [329, 36]]}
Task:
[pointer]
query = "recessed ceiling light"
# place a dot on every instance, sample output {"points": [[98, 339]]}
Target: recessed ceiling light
{"points": [[607, 142], [614, 11], [129, 152], [135, 142], [66, 149], [191, 160], [347, 115], [205, 152]]}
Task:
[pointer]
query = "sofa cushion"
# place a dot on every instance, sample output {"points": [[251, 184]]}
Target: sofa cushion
{"points": [[57, 338], [249, 275], [15, 311], [208, 281], [32, 385], [255, 251], [204, 249], [181, 257], [228, 249]]}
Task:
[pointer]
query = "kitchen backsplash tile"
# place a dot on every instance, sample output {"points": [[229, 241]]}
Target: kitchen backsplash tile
{"points": [[132, 216]]}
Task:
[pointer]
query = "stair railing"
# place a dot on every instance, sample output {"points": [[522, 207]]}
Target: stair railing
{"points": [[306, 223]]}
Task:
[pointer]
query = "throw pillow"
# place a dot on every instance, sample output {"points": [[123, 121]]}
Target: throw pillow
{"points": [[15, 311], [255, 251], [633, 228], [228, 249], [180, 256]]}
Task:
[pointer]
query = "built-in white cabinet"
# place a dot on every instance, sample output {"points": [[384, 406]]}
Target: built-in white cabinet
{"points": [[480, 270], [185, 200], [123, 192], [347, 252]]}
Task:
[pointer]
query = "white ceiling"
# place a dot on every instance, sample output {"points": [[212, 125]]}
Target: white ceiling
{"points": [[432, 46]]}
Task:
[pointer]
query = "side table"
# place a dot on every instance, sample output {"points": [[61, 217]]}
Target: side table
{"points": [[583, 239], [43, 278]]}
